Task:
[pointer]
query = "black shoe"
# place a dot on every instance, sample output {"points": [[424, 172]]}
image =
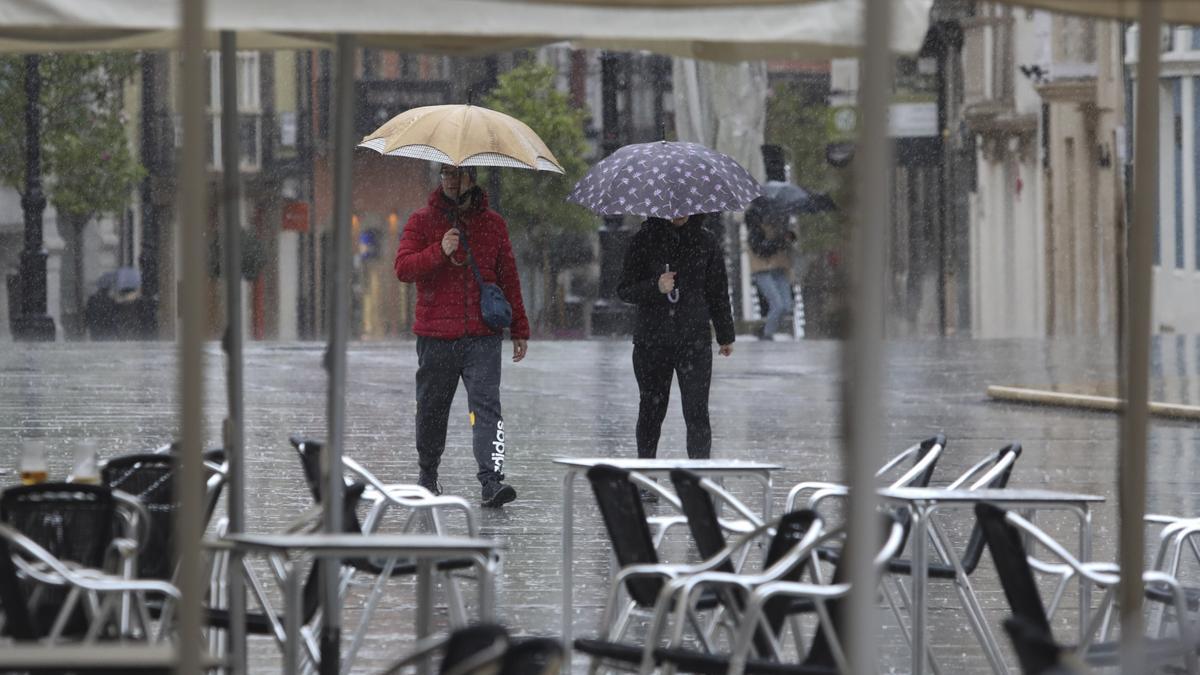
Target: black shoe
{"points": [[430, 482], [648, 496], [496, 493]]}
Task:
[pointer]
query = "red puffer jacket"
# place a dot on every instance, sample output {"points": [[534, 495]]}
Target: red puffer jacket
{"points": [[447, 293]]}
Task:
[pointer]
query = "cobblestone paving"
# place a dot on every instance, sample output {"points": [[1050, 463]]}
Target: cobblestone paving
{"points": [[770, 401]]}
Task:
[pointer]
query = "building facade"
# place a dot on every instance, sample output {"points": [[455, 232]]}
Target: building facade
{"points": [[1045, 103]]}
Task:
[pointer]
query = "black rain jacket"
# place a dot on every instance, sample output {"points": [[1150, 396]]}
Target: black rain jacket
{"points": [[699, 264]]}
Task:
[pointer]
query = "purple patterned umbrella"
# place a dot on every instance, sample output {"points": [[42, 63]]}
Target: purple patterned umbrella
{"points": [[665, 180]]}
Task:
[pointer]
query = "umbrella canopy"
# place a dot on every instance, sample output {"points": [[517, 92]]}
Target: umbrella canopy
{"points": [[665, 180], [462, 135], [781, 200]]}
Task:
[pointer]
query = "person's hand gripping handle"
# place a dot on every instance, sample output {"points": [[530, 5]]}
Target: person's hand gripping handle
{"points": [[666, 285]]}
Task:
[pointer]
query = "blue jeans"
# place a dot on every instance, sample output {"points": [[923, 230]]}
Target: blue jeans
{"points": [[774, 286]]}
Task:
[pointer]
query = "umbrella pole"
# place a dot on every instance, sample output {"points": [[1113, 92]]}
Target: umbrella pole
{"points": [[1135, 341], [193, 214], [335, 357], [232, 264], [863, 356]]}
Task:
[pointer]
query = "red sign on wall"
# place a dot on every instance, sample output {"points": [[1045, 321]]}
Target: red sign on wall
{"points": [[295, 216]]}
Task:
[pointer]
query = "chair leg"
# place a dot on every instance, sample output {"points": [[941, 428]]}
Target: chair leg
{"points": [[966, 593], [906, 600], [454, 598], [376, 594]]}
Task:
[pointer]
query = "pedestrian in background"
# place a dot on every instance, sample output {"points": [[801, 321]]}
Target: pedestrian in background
{"points": [[453, 342], [675, 274], [771, 245]]}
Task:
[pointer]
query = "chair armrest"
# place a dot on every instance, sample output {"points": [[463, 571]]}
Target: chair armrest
{"points": [[1094, 574], [806, 486], [88, 579], [723, 496], [136, 516], [407, 499], [652, 486]]}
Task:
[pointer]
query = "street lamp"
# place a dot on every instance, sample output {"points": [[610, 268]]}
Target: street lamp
{"points": [[29, 320]]}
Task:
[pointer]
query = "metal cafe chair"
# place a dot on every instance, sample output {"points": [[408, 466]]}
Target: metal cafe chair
{"points": [[924, 455], [57, 541], [992, 472], [1005, 531], [769, 599], [643, 579]]}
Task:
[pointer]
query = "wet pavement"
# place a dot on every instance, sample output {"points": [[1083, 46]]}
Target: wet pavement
{"points": [[775, 401]]}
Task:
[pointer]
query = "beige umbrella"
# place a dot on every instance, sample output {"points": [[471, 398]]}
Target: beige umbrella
{"points": [[462, 135]]}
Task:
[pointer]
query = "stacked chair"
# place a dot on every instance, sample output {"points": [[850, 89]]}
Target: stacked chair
{"points": [[713, 598], [63, 548], [1005, 533]]}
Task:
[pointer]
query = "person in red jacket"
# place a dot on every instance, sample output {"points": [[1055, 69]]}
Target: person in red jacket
{"points": [[453, 342]]}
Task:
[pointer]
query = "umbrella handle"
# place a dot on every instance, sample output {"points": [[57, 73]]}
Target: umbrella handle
{"points": [[672, 296]]}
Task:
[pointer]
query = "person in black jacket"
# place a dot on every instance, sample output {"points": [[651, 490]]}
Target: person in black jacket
{"points": [[675, 273]]}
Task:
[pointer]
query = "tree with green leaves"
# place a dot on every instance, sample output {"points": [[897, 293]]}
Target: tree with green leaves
{"points": [[89, 167], [545, 228]]}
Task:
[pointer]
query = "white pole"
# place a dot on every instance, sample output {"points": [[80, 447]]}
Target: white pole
{"points": [[863, 355], [1136, 339], [192, 216]]}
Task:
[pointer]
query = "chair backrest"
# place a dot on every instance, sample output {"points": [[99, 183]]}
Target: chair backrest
{"points": [[820, 652], [625, 520], [1012, 566], [702, 518], [150, 478], [1004, 460], [933, 444], [14, 603], [470, 641], [73, 522], [309, 451], [791, 530], [533, 656], [310, 461]]}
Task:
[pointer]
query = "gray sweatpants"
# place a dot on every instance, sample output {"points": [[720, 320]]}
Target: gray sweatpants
{"points": [[440, 364]]}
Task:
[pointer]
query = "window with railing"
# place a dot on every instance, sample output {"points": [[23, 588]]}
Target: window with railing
{"points": [[249, 105]]}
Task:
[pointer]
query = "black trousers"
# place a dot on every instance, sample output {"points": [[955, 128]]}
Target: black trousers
{"points": [[440, 365], [654, 366]]}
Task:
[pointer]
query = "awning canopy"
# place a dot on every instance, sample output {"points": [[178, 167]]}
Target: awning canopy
{"points": [[1173, 11], [705, 29]]}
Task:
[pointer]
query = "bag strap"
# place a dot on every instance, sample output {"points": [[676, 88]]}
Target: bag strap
{"points": [[462, 233]]}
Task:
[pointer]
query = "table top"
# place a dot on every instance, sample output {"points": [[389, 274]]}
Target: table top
{"points": [[633, 464], [409, 545], [998, 495]]}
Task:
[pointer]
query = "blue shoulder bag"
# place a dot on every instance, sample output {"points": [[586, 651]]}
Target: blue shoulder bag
{"points": [[493, 306]]}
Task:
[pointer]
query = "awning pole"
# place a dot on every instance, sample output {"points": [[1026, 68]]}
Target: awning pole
{"points": [[862, 368], [339, 329], [192, 217], [231, 235], [1135, 340]]}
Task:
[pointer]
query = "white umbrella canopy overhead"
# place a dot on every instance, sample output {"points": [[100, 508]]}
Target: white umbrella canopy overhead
{"points": [[462, 135], [1173, 11], [706, 29]]}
